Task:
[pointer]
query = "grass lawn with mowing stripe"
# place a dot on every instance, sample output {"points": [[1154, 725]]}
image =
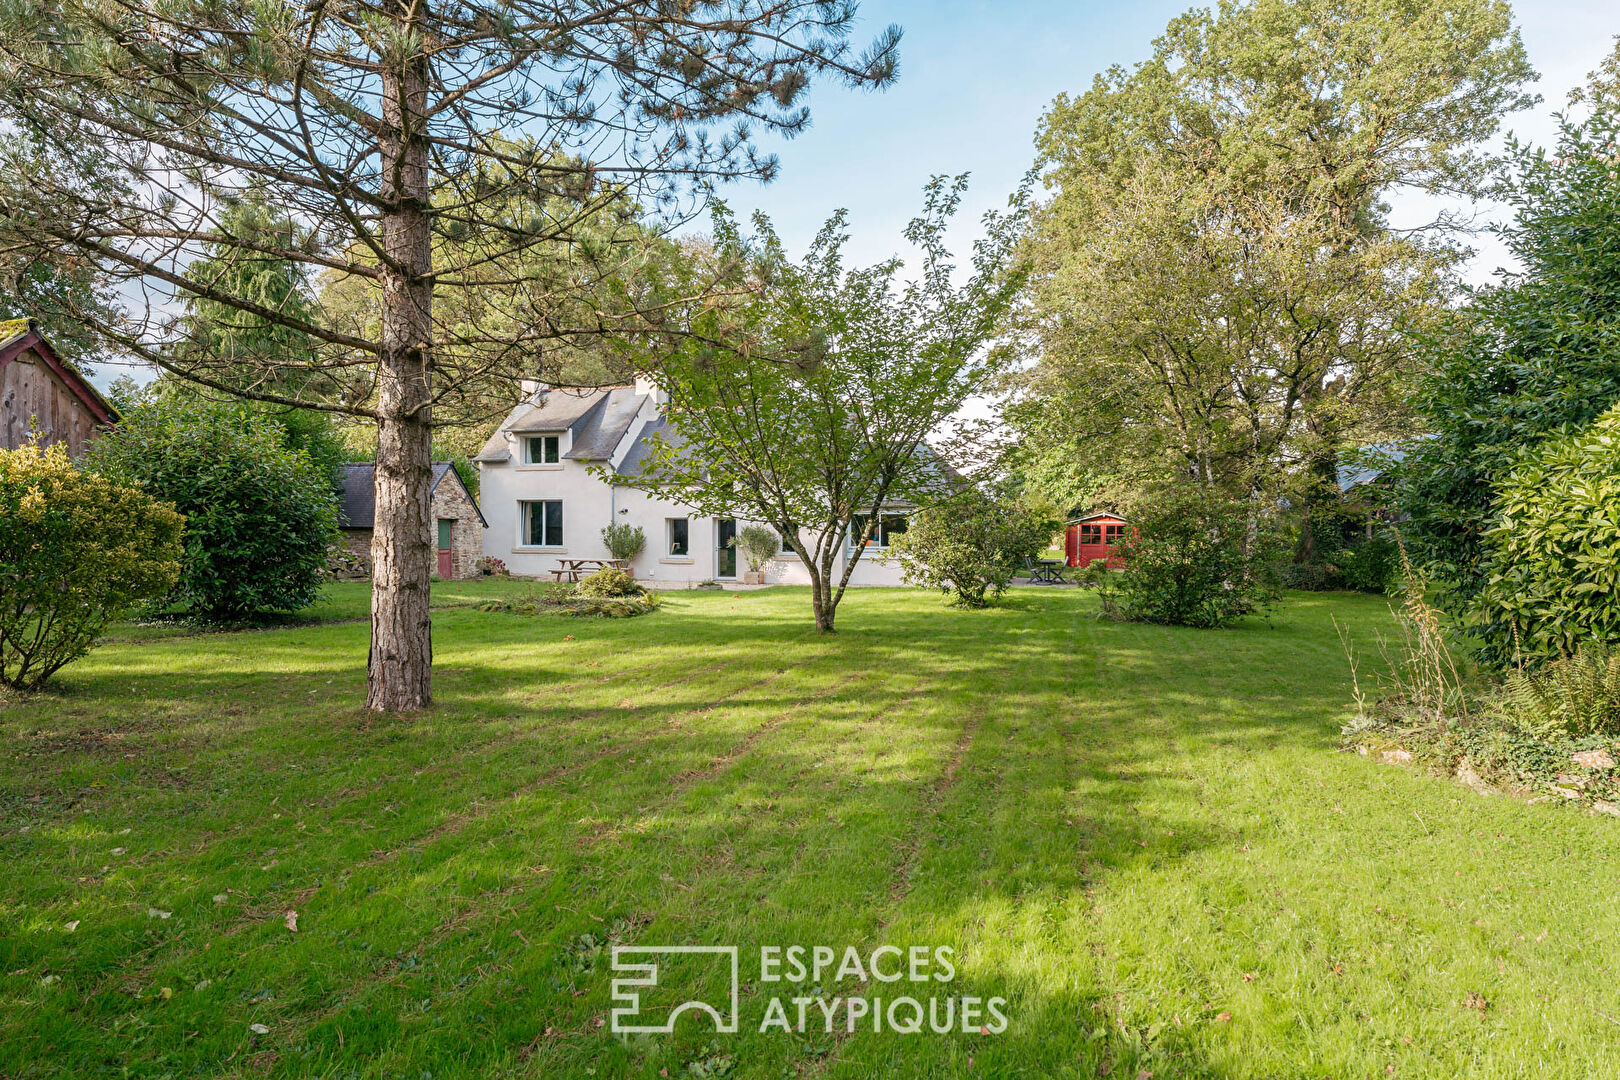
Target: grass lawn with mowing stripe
{"points": [[1141, 837]]}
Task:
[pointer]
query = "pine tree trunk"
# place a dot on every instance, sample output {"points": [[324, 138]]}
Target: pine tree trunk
{"points": [[399, 672]]}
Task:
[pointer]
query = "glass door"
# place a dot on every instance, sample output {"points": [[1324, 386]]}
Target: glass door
{"points": [[725, 550]]}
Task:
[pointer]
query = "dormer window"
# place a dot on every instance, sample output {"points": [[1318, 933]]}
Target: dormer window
{"points": [[541, 450]]}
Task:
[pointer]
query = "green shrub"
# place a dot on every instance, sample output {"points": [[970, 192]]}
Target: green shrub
{"points": [[624, 541], [1553, 562], [971, 546], [259, 516], [77, 551], [1190, 561], [610, 581], [1372, 566]]}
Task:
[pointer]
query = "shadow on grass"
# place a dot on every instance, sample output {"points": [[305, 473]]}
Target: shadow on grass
{"points": [[714, 771]]}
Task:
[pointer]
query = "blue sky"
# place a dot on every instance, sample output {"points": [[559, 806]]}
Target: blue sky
{"points": [[975, 77]]}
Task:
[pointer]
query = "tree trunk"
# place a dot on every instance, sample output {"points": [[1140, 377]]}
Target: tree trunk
{"points": [[399, 672]]}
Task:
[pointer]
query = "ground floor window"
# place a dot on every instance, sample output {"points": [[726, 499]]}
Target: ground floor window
{"points": [[543, 523], [889, 527], [679, 531]]}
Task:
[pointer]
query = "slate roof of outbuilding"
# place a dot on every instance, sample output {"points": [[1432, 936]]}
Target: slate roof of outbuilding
{"points": [[359, 497]]}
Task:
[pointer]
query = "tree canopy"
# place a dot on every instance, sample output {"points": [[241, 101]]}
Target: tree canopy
{"points": [[1218, 295]]}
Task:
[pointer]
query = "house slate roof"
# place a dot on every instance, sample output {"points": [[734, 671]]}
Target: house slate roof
{"points": [[597, 419], [358, 501], [641, 450], [598, 432]]}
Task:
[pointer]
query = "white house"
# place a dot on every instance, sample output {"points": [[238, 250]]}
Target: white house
{"points": [[544, 502]]}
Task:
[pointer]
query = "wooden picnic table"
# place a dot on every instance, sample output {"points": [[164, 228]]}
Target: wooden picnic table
{"points": [[574, 569]]}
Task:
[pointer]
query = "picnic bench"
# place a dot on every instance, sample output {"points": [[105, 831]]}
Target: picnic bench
{"points": [[574, 569]]}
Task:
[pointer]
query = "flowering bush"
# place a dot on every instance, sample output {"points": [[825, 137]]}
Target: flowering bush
{"points": [[490, 566]]}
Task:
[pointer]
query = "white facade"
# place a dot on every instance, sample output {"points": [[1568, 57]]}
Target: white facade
{"points": [[544, 491]]}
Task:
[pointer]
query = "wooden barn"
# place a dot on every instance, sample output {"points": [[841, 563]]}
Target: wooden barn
{"points": [[1091, 537], [41, 394]]}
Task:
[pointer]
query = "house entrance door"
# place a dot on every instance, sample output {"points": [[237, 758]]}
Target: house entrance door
{"points": [[725, 550]]}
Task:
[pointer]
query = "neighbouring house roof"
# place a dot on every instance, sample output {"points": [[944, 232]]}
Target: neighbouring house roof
{"points": [[358, 500], [596, 418], [1369, 463], [22, 335]]}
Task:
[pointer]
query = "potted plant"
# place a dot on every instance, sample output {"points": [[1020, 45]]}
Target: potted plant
{"points": [[624, 541], [758, 546]]}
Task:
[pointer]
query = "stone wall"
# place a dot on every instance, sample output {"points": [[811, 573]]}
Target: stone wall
{"points": [[466, 535]]}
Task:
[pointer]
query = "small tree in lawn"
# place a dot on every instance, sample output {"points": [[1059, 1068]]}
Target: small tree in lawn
{"points": [[971, 546], [758, 546], [1193, 557], [513, 155], [808, 401]]}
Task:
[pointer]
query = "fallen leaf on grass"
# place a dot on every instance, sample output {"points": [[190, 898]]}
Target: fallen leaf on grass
{"points": [[258, 1029], [292, 921], [154, 913], [72, 926], [1476, 1000], [1221, 1018], [165, 993], [1247, 977]]}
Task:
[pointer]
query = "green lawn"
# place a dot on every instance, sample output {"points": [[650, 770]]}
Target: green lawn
{"points": [[1143, 838]]}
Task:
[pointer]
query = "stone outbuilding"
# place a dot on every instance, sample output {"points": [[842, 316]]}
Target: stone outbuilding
{"points": [[458, 522]]}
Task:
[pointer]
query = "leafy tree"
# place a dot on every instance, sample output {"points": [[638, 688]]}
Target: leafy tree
{"points": [[259, 517], [77, 551], [804, 398], [971, 546], [378, 131], [1552, 564], [1531, 356], [1217, 293], [1193, 557], [48, 282]]}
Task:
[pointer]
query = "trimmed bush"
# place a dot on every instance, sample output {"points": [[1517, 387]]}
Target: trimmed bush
{"points": [[1190, 561], [77, 551], [1553, 562], [610, 581], [260, 517], [971, 547]]}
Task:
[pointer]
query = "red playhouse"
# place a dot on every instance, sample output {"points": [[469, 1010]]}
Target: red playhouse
{"points": [[1091, 537]]}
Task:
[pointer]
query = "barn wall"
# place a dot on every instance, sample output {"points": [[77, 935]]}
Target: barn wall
{"points": [[33, 398]]}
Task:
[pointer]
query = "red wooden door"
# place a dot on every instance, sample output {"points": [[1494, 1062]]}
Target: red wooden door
{"points": [[446, 564]]}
